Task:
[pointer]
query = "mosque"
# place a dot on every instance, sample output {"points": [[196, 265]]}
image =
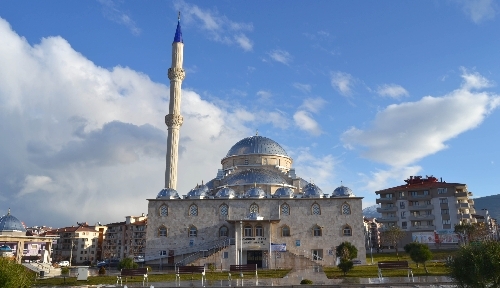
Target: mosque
{"points": [[255, 211]]}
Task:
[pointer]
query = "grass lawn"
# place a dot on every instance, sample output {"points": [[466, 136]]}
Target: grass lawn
{"points": [[211, 276], [370, 271]]}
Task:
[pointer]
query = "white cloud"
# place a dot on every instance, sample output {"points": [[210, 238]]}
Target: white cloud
{"points": [[382, 179], [91, 135], [313, 104], [113, 13], [219, 28], [264, 95], [342, 82], [392, 90], [306, 88], [305, 122], [281, 56], [479, 10], [405, 133], [319, 170]]}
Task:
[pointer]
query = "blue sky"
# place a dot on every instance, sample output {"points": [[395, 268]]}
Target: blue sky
{"points": [[364, 93]]}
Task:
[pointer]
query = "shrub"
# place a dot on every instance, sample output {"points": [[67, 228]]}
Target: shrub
{"points": [[347, 250], [13, 275], [306, 282], [345, 265], [127, 263], [420, 253], [102, 271], [211, 267], [65, 271]]}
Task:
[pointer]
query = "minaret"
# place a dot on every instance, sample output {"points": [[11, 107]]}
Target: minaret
{"points": [[174, 119]]}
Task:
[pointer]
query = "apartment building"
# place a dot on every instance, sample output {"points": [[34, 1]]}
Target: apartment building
{"points": [[427, 209], [372, 232], [77, 244], [124, 239]]}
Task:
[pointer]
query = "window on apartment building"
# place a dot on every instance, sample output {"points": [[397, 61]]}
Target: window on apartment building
{"points": [[428, 212], [389, 205], [285, 231], [404, 224], [81, 258], [388, 195], [223, 231], [259, 231], [346, 209], [413, 193], [415, 213], [391, 215], [402, 194], [163, 210], [446, 221], [413, 203], [426, 192], [248, 231], [443, 200], [246, 161], [427, 202], [442, 190], [403, 214], [416, 223], [85, 252], [402, 205], [317, 231], [193, 232], [285, 209], [91, 252], [193, 210], [224, 210], [316, 210], [347, 231], [445, 211], [429, 223], [225, 255]]}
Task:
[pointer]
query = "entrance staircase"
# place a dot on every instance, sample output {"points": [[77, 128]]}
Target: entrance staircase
{"points": [[48, 270]]}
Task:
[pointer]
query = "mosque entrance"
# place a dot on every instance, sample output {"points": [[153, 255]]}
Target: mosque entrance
{"points": [[254, 257]]}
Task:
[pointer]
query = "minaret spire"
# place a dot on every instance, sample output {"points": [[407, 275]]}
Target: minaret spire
{"points": [[174, 120]]}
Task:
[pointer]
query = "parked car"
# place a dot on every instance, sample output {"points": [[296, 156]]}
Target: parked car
{"points": [[108, 263], [63, 264], [139, 259]]}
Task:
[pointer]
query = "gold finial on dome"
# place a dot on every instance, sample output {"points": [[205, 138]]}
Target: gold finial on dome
{"points": [[179, 16], [256, 132]]}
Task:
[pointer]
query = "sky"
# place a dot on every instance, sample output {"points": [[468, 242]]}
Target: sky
{"points": [[359, 93]]}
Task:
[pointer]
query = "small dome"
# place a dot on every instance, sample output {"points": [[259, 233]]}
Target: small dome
{"points": [[343, 191], [312, 191], [284, 192], [256, 145], [168, 193], [199, 192], [255, 192], [225, 192], [9, 223], [5, 248]]}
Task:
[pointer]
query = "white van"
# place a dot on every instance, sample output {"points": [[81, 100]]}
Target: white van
{"points": [[64, 264]]}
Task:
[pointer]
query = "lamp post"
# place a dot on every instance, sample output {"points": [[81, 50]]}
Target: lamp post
{"points": [[370, 242], [71, 253], [241, 245]]}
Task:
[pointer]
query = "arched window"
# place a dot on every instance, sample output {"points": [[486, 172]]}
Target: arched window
{"points": [[346, 209], [254, 208], [162, 231], [285, 209], [163, 210], [193, 210], [223, 231], [285, 231], [259, 231], [315, 209], [347, 231], [193, 232], [317, 231], [248, 231], [224, 210]]}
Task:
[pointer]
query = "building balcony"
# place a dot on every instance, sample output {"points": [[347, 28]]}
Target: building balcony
{"points": [[387, 209], [463, 205], [471, 202], [423, 228], [420, 207], [422, 217], [385, 200], [419, 197], [388, 219], [464, 216]]}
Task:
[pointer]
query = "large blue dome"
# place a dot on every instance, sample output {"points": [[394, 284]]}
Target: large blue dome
{"points": [[256, 145], [9, 223], [168, 193], [255, 176]]}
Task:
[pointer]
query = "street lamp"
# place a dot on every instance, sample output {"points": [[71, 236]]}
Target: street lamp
{"points": [[241, 245], [370, 242]]}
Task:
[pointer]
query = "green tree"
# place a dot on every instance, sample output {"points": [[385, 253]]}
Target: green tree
{"points": [[410, 246], [127, 263], [13, 275], [352, 250], [476, 265], [392, 236], [470, 232], [346, 251], [420, 253]]}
